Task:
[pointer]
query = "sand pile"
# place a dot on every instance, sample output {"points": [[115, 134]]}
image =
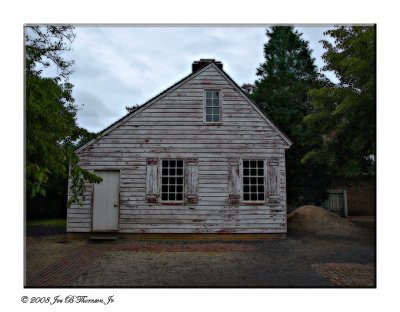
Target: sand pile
{"points": [[319, 221]]}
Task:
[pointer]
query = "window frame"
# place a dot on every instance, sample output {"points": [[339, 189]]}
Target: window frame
{"points": [[205, 107], [252, 202], [172, 202]]}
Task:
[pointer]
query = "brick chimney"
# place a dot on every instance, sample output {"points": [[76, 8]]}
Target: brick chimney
{"points": [[197, 65]]}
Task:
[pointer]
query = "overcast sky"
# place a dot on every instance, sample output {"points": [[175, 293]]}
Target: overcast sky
{"points": [[123, 66]]}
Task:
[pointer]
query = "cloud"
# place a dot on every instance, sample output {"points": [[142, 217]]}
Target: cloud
{"points": [[122, 66], [93, 111]]}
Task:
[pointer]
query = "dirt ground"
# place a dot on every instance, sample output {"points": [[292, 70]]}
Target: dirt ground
{"points": [[268, 263], [275, 264], [316, 239]]}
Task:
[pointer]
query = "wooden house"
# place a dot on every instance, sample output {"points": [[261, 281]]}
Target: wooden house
{"points": [[199, 157]]}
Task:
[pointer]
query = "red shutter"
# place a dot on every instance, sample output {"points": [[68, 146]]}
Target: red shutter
{"points": [[273, 181], [152, 192], [234, 181], [191, 180]]}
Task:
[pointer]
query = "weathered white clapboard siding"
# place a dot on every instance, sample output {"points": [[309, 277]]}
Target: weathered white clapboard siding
{"points": [[173, 127]]}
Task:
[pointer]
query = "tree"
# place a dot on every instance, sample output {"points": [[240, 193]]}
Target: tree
{"points": [[285, 78], [343, 116], [248, 88], [51, 128]]}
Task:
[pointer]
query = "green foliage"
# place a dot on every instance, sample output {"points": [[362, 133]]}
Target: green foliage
{"points": [[343, 116], [57, 223], [78, 176], [51, 129], [281, 91]]}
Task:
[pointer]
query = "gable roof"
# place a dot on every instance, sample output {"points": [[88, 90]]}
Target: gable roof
{"points": [[177, 85]]}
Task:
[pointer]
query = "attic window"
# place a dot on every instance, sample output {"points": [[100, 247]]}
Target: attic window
{"points": [[212, 106]]}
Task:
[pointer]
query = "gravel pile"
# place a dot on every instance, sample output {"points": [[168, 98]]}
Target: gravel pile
{"points": [[319, 221]]}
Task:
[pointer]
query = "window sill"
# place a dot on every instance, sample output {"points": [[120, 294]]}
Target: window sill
{"points": [[254, 203], [213, 123], [172, 203]]}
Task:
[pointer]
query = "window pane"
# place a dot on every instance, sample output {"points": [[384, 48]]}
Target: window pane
{"points": [[215, 111], [209, 110], [171, 185], [253, 180], [208, 117], [209, 102], [215, 118], [215, 102], [216, 94], [209, 94]]}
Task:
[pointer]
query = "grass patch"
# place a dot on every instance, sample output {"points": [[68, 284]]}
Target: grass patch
{"points": [[58, 223]]}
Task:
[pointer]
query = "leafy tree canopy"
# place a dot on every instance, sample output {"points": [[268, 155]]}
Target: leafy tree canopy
{"points": [[343, 116], [51, 128], [285, 78]]}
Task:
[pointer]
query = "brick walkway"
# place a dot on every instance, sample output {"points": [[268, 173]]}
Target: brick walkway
{"points": [[63, 272], [347, 274], [68, 268]]}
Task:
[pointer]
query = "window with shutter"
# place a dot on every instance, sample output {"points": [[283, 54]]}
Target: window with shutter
{"points": [[273, 181], [234, 181], [191, 180], [152, 180]]}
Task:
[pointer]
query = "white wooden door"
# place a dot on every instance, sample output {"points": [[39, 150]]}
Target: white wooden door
{"points": [[106, 202]]}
